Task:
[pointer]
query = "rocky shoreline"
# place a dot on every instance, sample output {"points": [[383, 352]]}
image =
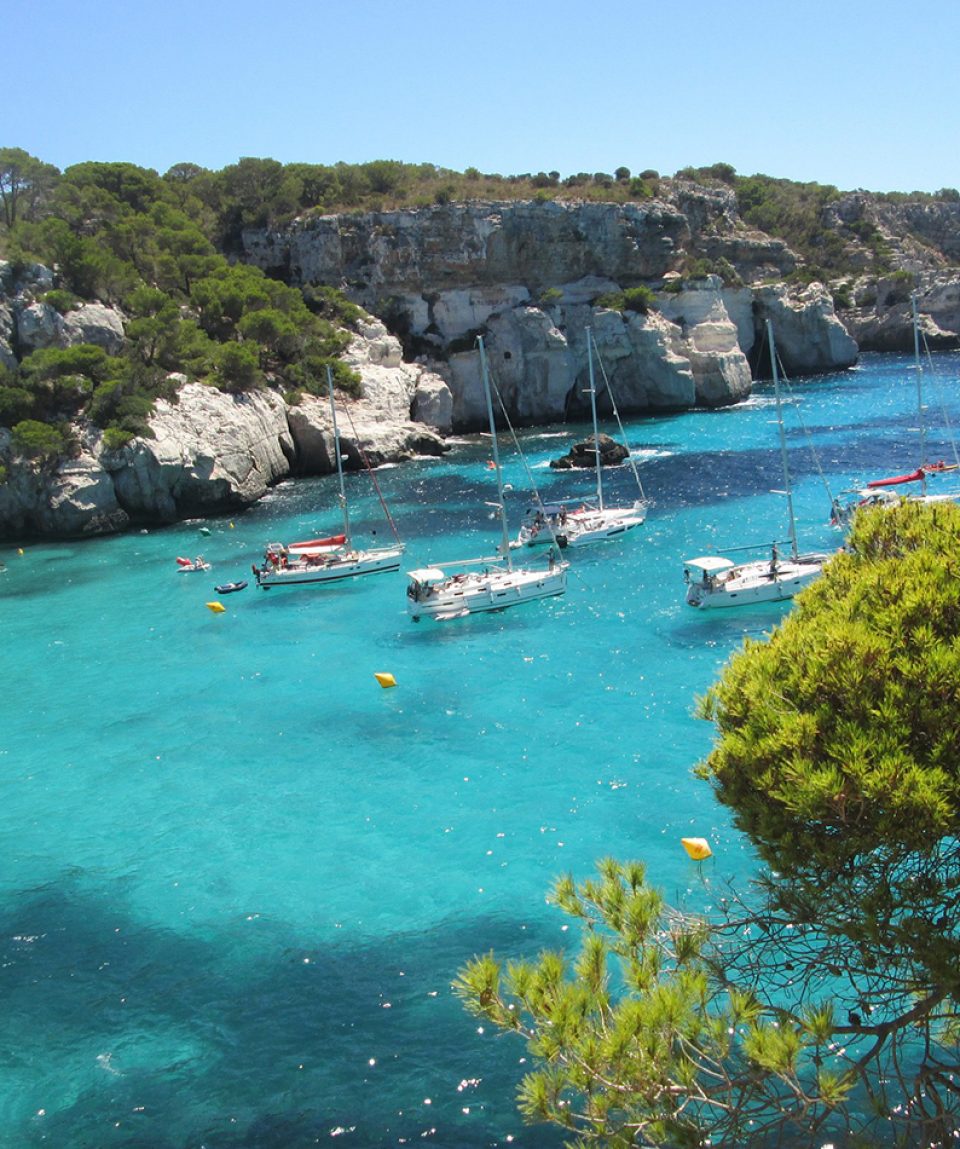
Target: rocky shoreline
{"points": [[528, 276]]}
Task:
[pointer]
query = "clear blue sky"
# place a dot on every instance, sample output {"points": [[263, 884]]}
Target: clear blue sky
{"points": [[843, 92]]}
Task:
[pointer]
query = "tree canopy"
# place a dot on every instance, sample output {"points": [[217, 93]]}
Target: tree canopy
{"points": [[109, 230], [839, 753], [24, 182], [126, 236], [822, 1001]]}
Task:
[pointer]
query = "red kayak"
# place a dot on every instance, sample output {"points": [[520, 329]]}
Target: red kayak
{"points": [[913, 477]]}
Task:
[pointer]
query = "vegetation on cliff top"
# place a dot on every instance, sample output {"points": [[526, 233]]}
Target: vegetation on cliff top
{"points": [[159, 248], [129, 238]]}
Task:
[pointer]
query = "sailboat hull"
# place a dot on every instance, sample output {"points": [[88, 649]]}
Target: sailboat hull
{"points": [[477, 592], [606, 524], [755, 582], [885, 497], [720, 582], [330, 559], [330, 568], [432, 593], [592, 522]]}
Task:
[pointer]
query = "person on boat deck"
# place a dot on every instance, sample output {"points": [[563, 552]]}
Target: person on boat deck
{"points": [[774, 559]]}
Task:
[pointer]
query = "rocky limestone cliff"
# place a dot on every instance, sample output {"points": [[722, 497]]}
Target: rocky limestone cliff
{"points": [[529, 276], [882, 316], [700, 348], [438, 275], [922, 234], [211, 452], [473, 244], [217, 453]]}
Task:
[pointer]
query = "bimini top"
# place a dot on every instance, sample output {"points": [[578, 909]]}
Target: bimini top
{"points": [[710, 563], [427, 575]]}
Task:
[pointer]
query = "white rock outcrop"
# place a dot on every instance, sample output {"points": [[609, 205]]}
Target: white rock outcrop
{"points": [[39, 325], [810, 339], [211, 451], [77, 498], [95, 323], [378, 426]]}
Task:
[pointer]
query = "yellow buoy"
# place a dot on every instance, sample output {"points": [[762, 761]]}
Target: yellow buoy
{"points": [[216, 607], [697, 848], [19, 550], [385, 680]]}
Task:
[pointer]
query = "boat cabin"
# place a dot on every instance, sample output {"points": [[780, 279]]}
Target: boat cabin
{"points": [[709, 570], [423, 581]]}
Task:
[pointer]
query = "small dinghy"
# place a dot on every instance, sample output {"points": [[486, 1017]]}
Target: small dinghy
{"points": [[230, 587], [188, 565]]}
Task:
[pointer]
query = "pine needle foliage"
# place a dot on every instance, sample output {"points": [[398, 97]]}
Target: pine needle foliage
{"points": [[821, 1004], [636, 1040]]}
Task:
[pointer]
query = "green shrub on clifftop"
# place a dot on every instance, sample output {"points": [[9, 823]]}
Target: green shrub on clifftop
{"points": [[42, 441], [640, 299]]}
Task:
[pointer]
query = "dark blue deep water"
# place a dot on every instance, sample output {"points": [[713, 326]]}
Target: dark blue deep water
{"points": [[237, 877]]}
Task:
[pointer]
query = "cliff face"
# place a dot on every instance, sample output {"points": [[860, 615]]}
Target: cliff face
{"points": [[478, 245], [921, 240], [922, 235], [211, 452], [882, 316], [530, 275]]}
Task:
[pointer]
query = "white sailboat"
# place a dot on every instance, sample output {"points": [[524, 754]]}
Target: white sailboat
{"points": [[483, 584], [329, 559], [911, 486], [592, 520], [715, 581]]}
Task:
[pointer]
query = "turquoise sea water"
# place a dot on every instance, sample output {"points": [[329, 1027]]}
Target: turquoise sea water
{"points": [[238, 876]]}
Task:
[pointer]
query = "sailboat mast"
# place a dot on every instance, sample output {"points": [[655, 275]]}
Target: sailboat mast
{"points": [[336, 451], [505, 546], [593, 412], [919, 370], [783, 444]]}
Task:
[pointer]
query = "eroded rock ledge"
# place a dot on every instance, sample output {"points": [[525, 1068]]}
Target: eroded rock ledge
{"points": [[216, 453], [528, 276]]}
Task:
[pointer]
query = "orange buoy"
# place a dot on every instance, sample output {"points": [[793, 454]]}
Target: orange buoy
{"points": [[385, 680], [697, 848], [216, 607]]}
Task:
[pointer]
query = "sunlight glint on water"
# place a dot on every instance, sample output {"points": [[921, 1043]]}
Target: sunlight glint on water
{"points": [[238, 876]]}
